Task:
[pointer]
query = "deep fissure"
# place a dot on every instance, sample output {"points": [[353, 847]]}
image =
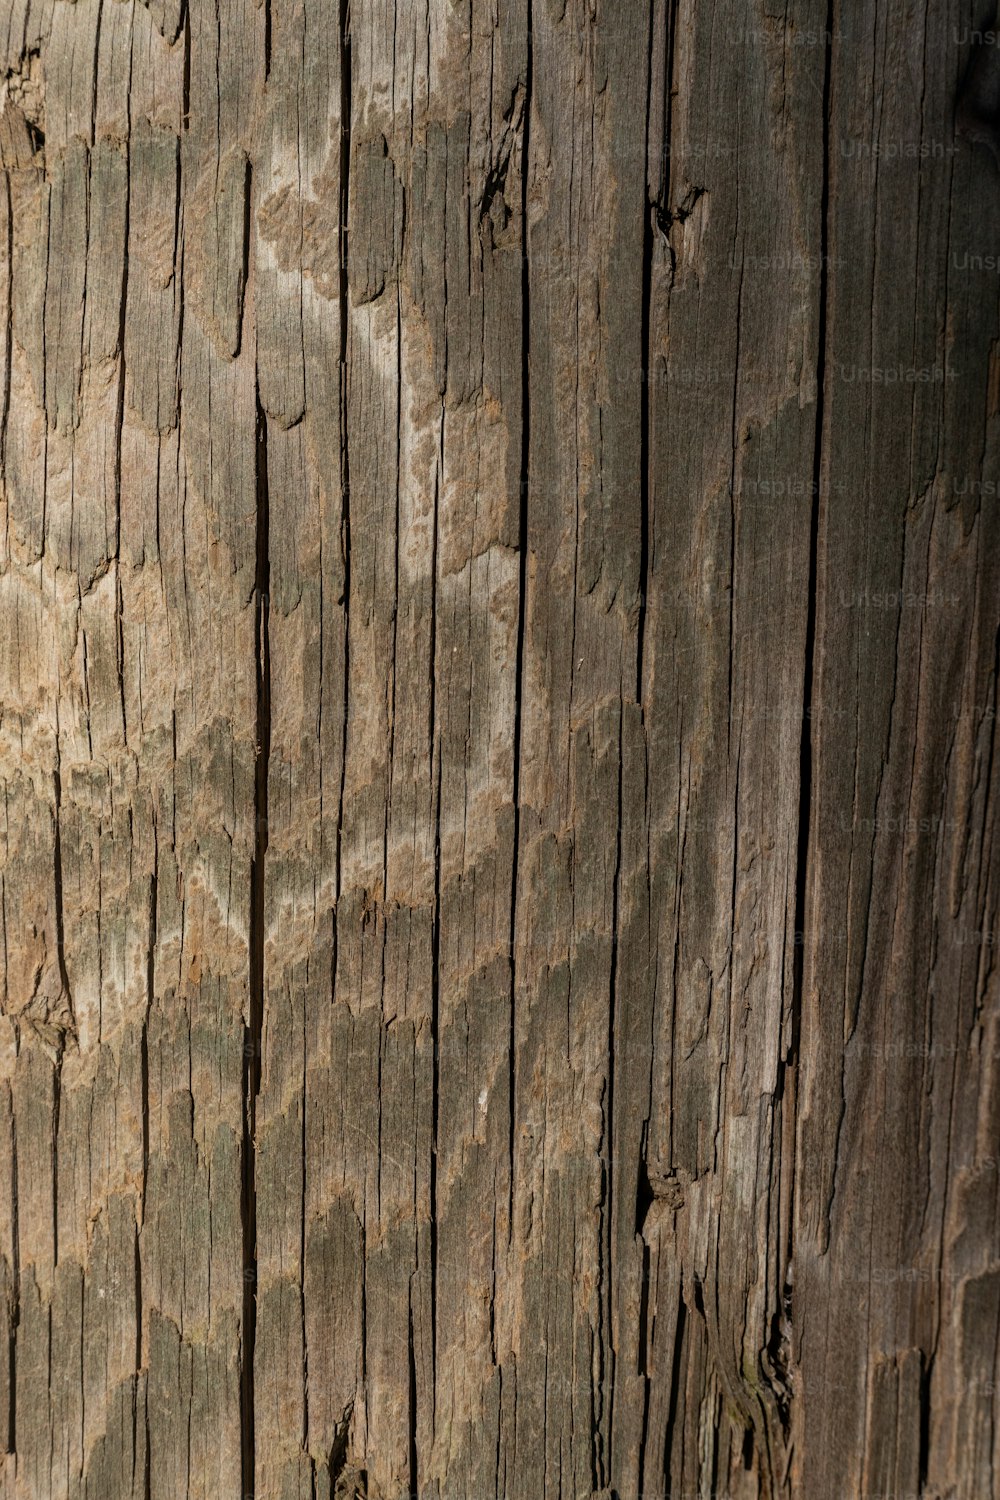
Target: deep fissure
{"points": [[524, 479], [253, 1030]]}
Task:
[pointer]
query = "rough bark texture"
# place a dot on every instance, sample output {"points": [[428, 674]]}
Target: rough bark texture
{"points": [[499, 604]]}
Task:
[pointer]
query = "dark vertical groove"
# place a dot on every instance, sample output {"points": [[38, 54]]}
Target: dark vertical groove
{"points": [[345, 460], [119, 428], [435, 928], [661, 213], [144, 1086], [607, 1242], [643, 1190], [186, 77], [56, 1108], [675, 1384], [926, 1370], [412, 1457], [303, 1146], [646, 394], [15, 1311], [643, 1346], [93, 91], [254, 1029], [138, 1302], [337, 1461], [244, 280], [806, 742], [9, 330], [64, 982], [178, 296], [647, 267], [364, 1307], [150, 993], [395, 640], [522, 582], [147, 1468]]}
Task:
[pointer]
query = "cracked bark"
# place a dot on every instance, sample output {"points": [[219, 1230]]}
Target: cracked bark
{"points": [[499, 644]]}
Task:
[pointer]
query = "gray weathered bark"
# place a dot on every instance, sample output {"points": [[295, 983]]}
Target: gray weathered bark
{"points": [[499, 628]]}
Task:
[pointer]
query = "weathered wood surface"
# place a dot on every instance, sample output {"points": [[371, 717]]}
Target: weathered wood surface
{"points": [[499, 618]]}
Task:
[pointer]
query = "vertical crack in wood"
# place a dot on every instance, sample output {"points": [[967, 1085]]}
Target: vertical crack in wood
{"points": [[924, 1443], [806, 751], [120, 414], [345, 459], [144, 1095], [608, 1271], [186, 83], [8, 351], [673, 1409], [303, 1148], [643, 1195], [253, 1031], [646, 350], [435, 952], [523, 497], [8, 336], [642, 1345], [15, 1309], [69, 1020], [412, 1396], [660, 211]]}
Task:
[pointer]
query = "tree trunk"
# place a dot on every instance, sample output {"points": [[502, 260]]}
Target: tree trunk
{"points": [[499, 620]]}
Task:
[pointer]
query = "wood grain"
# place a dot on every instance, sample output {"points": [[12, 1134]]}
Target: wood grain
{"points": [[499, 619]]}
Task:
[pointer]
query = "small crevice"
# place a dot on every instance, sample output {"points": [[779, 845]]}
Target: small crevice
{"points": [[493, 202], [243, 279], [338, 1449], [348, 1481], [644, 1195], [25, 90], [667, 217], [186, 74], [926, 1370], [36, 136], [776, 1361]]}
